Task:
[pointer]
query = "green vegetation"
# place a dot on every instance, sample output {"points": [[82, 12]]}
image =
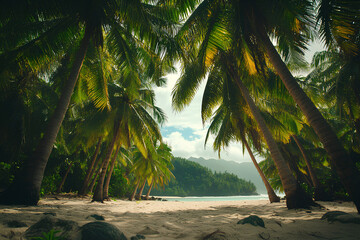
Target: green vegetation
{"points": [[78, 107], [194, 180]]}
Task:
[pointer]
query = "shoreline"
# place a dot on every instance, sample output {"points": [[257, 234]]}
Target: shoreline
{"points": [[189, 220]]}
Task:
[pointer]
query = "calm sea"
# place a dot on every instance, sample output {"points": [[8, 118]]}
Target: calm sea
{"points": [[221, 198]]}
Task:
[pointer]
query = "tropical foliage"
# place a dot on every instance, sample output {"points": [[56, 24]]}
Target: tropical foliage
{"points": [[78, 106], [191, 179]]}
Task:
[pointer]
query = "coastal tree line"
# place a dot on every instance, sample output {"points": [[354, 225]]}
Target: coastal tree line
{"points": [[77, 77], [192, 179]]}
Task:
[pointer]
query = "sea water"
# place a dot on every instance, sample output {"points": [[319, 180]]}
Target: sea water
{"points": [[217, 198]]}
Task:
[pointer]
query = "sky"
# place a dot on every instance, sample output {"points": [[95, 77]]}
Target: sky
{"points": [[184, 130]]}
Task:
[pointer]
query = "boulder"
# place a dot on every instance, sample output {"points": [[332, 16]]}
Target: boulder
{"points": [[97, 217], [342, 217], [101, 231], [331, 216], [253, 220], [66, 228], [137, 237]]}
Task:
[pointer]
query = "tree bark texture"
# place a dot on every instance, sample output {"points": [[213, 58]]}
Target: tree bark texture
{"points": [[295, 195], [141, 190], [98, 194], [26, 189], [64, 178], [272, 195], [134, 192], [149, 190], [319, 192], [91, 168], [339, 158], [108, 177]]}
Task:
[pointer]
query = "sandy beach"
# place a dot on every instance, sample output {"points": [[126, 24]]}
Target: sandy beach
{"points": [[189, 220]]}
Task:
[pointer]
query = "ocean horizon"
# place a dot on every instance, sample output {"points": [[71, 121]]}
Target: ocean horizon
{"points": [[215, 198]]}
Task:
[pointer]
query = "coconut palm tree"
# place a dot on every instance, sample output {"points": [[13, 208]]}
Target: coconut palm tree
{"points": [[227, 63], [248, 25], [49, 31], [121, 155]]}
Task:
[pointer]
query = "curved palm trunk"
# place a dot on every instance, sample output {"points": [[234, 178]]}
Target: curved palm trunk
{"points": [[141, 190], [148, 192], [64, 178], [339, 159], [295, 195], [98, 194], [272, 195], [91, 168], [291, 160], [26, 189], [134, 192], [108, 177], [92, 184], [319, 194]]}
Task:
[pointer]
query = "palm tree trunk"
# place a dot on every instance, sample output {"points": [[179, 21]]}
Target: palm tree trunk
{"points": [[92, 184], [134, 192], [148, 192], [108, 177], [91, 168], [64, 178], [295, 195], [319, 193], [141, 190], [272, 195], [98, 194], [26, 189], [339, 159]]}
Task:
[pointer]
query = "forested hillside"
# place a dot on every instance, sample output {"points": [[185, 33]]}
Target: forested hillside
{"points": [[192, 179]]}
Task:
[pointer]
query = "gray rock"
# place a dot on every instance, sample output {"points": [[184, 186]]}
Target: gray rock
{"points": [[331, 216], [65, 227], [342, 217], [15, 224], [137, 237], [101, 231], [253, 220], [97, 217], [217, 235]]}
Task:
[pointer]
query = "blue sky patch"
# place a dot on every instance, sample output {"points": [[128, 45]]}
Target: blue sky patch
{"points": [[187, 132]]}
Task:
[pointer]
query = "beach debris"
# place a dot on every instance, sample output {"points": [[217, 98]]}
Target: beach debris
{"points": [[264, 235], [101, 231], [137, 237], [96, 217], [342, 217], [217, 235], [15, 224], [148, 231], [253, 220], [65, 227]]}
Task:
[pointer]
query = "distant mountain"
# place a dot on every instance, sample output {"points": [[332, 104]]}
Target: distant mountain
{"points": [[245, 170], [192, 179]]}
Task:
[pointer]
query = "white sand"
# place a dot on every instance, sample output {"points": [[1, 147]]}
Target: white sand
{"points": [[190, 220]]}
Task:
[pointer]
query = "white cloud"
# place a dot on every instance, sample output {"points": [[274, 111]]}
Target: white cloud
{"points": [[190, 118]]}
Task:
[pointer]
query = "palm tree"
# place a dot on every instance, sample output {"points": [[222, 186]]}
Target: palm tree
{"points": [[215, 25], [124, 22], [123, 158], [295, 196], [131, 121]]}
